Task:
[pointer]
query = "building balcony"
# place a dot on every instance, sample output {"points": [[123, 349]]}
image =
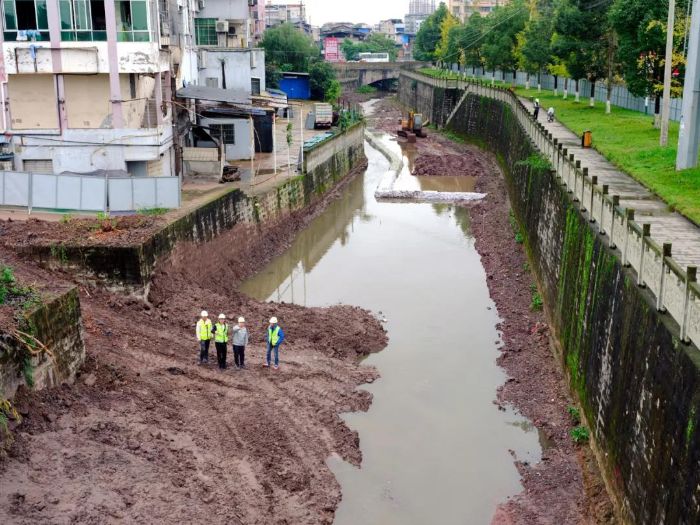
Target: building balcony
{"points": [[86, 58]]}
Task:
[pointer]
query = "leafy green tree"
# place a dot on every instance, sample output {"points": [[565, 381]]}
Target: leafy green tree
{"points": [[429, 35], [375, 43], [288, 49], [535, 46], [640, 26], [580, 40], [469, 39], [444, 51], [502, 29], [321, 81]]}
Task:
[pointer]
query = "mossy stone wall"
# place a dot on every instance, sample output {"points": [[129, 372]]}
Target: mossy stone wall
{"points": [[638, 385]]}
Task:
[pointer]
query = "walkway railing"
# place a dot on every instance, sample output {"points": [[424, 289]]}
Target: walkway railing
{"points": [[675, 289]]}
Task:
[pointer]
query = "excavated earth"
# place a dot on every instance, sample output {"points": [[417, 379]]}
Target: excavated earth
{"points": [[146, 435], [566, 486]]}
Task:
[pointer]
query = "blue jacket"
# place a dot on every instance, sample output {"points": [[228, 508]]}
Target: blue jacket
{"points": [[281, 335]]}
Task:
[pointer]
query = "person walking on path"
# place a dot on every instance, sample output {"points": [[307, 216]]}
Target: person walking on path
{"points": [[537, 108], [240, 340], [204, 330], [275, 337], [221, 341], [550, 114]]}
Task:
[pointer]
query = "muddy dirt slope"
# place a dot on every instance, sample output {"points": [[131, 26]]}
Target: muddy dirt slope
{"points": [[148, 436]]}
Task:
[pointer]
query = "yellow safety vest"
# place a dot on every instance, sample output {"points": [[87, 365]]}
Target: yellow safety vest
{"points": [[273, 335], [204, 330], [221, 334]]}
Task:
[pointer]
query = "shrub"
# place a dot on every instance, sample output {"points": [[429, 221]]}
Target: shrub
{"points": [[580, 434]]}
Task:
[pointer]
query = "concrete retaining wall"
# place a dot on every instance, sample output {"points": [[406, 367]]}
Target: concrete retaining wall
{"points": [[131, 266], [639, 386], [57, 324]]}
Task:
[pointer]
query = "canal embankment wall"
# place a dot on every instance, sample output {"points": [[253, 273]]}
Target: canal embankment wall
{"points": [[627, 354], [54, 323], [131, 266]]}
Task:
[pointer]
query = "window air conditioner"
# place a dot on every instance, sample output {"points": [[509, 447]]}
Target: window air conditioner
{"points": [[222, 26]]}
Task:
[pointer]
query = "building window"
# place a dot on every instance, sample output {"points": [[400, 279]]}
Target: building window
{"points": [[22, 16], [205, 29], [225, 133], [132, 21], [83, 20], [255, 86]]}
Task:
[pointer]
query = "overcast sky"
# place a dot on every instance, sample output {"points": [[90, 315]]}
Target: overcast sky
{"points": [[370, 11]]}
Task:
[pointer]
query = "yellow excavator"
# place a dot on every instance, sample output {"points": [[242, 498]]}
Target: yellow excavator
{"points": [[412, 127]]}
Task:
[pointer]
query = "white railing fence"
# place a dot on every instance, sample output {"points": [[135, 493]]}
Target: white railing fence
{"points": [[675, 289]]}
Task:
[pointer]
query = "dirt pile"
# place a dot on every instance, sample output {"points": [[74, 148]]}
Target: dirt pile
{"points": [[147, 436], [470, 164], [117, 231]]}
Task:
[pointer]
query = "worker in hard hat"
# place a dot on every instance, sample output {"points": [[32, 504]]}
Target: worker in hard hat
{"points": [[275, 337], [221, 341], [204, 331], [240, 340]]}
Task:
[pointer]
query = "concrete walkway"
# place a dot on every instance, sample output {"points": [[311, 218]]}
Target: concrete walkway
{"points": [[666, 226]]}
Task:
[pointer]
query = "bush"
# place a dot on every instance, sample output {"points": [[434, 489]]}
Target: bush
{"points": [[366, 90], [580, 434], [321, 80]]}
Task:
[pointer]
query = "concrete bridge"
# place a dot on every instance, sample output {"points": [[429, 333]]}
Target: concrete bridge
{"points": [[356, 74]]}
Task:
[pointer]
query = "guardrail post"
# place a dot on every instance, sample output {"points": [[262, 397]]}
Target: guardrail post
{"points": [[594, 183], [615, 204], [691, 276], [572, 168], [629, 216], [577, 170], [666, 252], [646, 232], [560, 168]]}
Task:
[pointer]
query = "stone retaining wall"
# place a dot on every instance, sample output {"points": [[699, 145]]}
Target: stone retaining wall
{"points": [[57, 324], [638, 384]]}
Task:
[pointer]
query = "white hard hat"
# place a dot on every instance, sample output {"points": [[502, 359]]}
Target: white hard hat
{"points": [[273, 320], [222, 316], [241, 319], [204, 313]]}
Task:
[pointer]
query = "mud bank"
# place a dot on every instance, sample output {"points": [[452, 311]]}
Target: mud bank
{"points": [[146, 436], [565, 487]]}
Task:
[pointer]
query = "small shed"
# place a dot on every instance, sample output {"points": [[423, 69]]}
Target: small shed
{"points": [[296, 85]]}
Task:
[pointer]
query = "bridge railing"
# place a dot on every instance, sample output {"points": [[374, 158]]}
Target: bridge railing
{"points": [[675, 288]]}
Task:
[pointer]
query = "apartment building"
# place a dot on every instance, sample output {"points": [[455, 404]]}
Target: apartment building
{"points": [[87, 84], [276, 14]]}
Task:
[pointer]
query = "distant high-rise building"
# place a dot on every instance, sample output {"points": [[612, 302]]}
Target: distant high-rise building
{"points": [[421, 7], [418, 11]]}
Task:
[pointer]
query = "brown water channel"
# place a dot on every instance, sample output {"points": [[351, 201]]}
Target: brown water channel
{"points": [[435, 446]]}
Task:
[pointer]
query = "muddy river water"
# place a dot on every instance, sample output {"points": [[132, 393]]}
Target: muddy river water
{"points": [[436, 449]]}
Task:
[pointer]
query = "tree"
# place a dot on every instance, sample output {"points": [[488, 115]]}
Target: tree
{"points": [[580, 41], [470, 37], [535, 46], [375, 43], [641, 31], [321, 81], [444, 51], [502, 28], [288, 49], [429, 35]]}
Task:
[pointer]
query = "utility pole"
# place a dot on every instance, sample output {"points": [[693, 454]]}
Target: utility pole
{"points": [[690, 116], [668, 70]]}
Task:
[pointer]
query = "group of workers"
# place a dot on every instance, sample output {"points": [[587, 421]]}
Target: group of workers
{"points": [[219, 333]]}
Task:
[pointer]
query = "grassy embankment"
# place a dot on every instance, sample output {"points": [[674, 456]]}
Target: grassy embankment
{"points": [[628, 140]]}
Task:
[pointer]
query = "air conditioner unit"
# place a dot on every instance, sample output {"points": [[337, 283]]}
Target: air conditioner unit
{"points": [[231, 29], [200, 4], [222, 26], [202, 59], [164, 29]]}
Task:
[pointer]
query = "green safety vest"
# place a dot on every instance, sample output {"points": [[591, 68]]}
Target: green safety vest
{"points": [[273, 335], [204, 330], [221, 334]]}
